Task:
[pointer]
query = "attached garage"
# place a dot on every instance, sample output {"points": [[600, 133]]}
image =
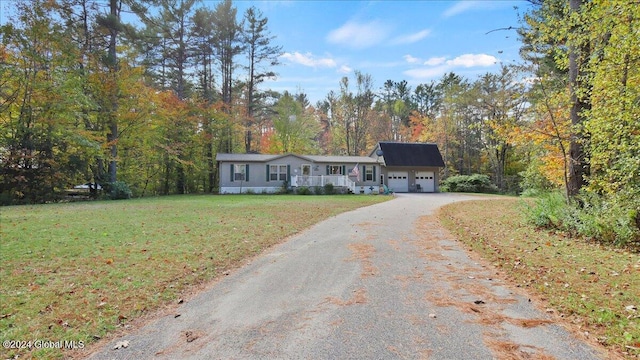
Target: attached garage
{"points": [[409, 167], [398, 181], [426, 181]]}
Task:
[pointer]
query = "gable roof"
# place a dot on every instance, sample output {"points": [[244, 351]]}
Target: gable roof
{"points": [[309, 158], [342, 159], [255, 157], [410, 154]]}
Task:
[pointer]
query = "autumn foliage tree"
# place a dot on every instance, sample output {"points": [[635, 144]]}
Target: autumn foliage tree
{"points": [[546, 134], [351, 113], [294, 129], [613, 119], [598, 58], [39, 151]]}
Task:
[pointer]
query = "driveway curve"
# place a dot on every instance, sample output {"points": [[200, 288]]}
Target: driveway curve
{"points": [[381, 282]]}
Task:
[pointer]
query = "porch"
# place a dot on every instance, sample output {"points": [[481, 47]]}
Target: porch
{"points": [[338, 181]]}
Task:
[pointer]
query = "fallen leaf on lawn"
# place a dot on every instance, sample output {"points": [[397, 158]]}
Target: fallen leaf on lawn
{"points": [[121, 344]]}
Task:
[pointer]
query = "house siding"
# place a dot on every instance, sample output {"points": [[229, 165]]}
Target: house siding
{"points": [[258, 180], [259, 174], [253, 182]]}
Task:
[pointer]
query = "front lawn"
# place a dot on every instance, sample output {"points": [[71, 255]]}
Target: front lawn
{"points": [[78, 271]]}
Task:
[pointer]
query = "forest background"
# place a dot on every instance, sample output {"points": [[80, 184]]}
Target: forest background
{"points": [[142, 110]]}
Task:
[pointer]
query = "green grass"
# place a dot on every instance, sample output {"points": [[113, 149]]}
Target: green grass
{"points": [[78, 271], [588, 285]]}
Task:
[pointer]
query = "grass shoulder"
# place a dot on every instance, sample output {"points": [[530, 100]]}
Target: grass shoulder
{"points": [[80, 271], [595, 289]]}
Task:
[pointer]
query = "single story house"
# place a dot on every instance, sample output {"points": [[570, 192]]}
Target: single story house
{"points": [[402, 167], [269, 173]]}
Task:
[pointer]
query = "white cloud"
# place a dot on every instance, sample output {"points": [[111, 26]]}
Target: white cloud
{"points": [[435, 61], [411, 38], [438, 66], [309, 60], [460, 7], [344, 69], [473, 60], [359, 35], [410, 59]]}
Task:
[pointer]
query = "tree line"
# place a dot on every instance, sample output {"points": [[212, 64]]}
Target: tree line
{"points": [[87, 97]]}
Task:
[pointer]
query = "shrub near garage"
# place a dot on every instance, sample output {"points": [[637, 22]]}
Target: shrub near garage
{"points": [[475, 183]]}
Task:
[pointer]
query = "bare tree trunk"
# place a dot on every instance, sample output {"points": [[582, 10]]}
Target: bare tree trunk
{"points": [[112, 136], [577, 159]]}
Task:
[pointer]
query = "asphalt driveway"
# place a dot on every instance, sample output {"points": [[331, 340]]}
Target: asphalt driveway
{"points": [[381, 282]]}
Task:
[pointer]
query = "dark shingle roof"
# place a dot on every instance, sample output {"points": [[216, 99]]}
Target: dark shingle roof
{"points": [[411, 154]]}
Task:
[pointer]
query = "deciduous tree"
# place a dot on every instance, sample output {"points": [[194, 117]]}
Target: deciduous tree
{"points": [[294, 129]]}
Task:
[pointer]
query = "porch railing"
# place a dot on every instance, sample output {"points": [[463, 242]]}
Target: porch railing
{"points": [[322, 180]]}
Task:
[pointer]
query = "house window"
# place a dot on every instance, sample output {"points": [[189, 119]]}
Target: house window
{"points": [[239, 172], [368, 173], [277, 172], [306, 170], [335, 170]]}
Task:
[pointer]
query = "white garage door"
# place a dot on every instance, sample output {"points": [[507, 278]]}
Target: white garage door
{"points": [[426, 180], [398, 181]]}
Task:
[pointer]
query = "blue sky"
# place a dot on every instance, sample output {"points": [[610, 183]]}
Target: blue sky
{"points": [[417, 41]]}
